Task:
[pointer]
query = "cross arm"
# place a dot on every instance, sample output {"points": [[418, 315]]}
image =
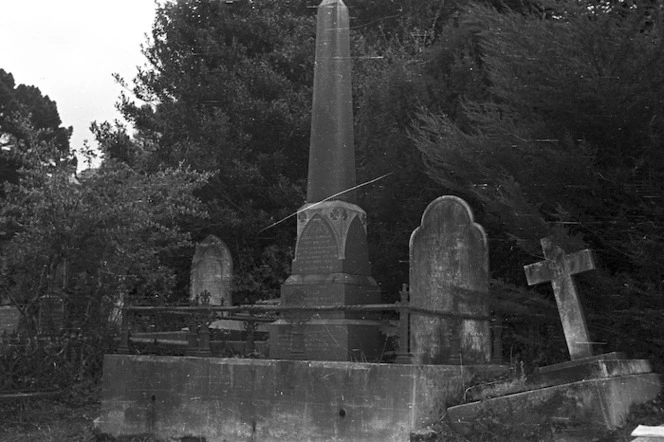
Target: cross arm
{"points": [[540, 272], [581, 261]]}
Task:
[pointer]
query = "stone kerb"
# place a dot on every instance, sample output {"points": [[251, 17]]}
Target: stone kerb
{"points": [[449, 272], [231, 399], [212, 271]]}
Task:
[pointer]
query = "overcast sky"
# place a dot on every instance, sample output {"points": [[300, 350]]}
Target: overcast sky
{"points": [[70, 48]]}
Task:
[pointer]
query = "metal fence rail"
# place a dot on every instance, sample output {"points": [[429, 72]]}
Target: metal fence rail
{"points": [[198, 336]]}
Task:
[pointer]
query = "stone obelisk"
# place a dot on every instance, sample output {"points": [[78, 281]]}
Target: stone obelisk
{"points": [[331, 265]]}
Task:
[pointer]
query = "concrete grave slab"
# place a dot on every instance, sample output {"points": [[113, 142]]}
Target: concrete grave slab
{"points": [[648, 434], [602, 403], [597, 367]]}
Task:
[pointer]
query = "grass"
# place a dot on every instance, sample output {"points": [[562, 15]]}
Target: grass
{"points": [[48, 419]]}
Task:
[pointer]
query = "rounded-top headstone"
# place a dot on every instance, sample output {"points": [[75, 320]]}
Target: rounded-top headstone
{"points": [[449, 273], [212, 271]]}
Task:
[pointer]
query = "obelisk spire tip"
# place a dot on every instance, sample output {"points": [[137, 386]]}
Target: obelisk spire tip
{"points": [[331, 2], [332, 147]]}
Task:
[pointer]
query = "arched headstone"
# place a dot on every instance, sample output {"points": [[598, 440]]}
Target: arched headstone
{"points": [[449, 273], [212, 271]]}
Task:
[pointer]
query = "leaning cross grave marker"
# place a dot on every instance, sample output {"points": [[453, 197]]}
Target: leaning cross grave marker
{"points": [[558, 269]]}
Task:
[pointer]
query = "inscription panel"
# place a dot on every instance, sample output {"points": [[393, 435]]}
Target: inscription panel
{"points": [[326, 340], [317, 250]]}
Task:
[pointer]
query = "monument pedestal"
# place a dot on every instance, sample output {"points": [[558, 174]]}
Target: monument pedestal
{"points": [[331, 267], [326, 340]]}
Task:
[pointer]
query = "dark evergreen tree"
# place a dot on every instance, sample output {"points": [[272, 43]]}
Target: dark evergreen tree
{"points": [[563, 138], [227, 89], [20, 105]]}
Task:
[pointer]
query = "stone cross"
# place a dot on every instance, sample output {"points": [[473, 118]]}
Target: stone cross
{"points": [[558, 269]]}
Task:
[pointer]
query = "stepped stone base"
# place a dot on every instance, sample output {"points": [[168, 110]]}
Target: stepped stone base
{"points": [[327, 339], [594, 392], [330, 335]]}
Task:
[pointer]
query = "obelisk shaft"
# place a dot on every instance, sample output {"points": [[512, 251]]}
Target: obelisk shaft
{"points": [[332, 148]]}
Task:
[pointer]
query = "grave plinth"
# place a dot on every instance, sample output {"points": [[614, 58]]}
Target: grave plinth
{"points": [[331, 267], [592, 394]]}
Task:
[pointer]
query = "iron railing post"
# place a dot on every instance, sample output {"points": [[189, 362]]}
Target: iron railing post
{"points": [[123, 348], [403, 356]]}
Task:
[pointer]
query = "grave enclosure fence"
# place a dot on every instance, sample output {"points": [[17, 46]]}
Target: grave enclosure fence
{"points": [[55, 343], [144, 328], [42, 364]]}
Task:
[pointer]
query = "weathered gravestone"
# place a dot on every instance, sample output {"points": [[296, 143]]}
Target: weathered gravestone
{"points": [[449, 273], [558, 269], [212, 271]]}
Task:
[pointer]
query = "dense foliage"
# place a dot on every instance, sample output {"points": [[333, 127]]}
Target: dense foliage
{"points": [[19, 103], [112, 229], [560, 134], [547, 116], [226, 90]]}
